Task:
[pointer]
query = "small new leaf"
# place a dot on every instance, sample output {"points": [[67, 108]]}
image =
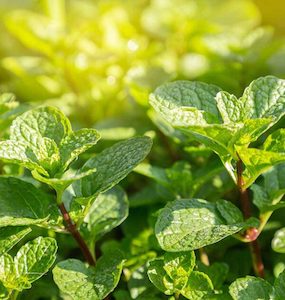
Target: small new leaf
{"points": [[31, 262]]}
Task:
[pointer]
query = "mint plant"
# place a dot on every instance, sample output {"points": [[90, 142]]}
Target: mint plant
{"points": [[228, 126], [43, 141]]}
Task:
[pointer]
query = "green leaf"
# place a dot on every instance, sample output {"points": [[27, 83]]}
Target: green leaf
{"points": [[265, 98], [7, 271], [31, 262], [186, 103], [108, 211], [42, 140], [278, 242], [170, 274], [251, 288], [268, 193], [112, 165], [76, 143], [34, 259], [45, 122], [77, 280], [198, 286], [258, 161], [217, 272], [179, 264], [10, 236], [23, 204], [279, 287], [189, 224]]}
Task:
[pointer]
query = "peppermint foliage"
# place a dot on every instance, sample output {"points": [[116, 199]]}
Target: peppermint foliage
{"points": [[31, 262], [227, 124], [173, 274], [74, 278]]}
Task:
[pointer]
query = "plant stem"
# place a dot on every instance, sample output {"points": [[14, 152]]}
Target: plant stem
{"points": [[70, 226], [251, 233]]}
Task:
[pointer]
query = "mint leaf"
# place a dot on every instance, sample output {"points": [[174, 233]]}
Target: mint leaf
{"points": [[258, 161], [217, 272], [7, 271], [81, 282], [251, 288], [108, 211], [278, 242], [76, 143], [186, 103], [10, 236], [173, 274], [23, 204], [42, 140], [268, 193], [220, 120], [112, 165], [190, 224], [31, 262], [198, 286], [34, 259], [265, 98], [45, 122]]}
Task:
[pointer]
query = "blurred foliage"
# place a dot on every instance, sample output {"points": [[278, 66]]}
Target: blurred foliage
{"points": [[89, 57]]}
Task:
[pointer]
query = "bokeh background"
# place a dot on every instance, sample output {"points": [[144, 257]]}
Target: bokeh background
{"points": [[98, 60]]}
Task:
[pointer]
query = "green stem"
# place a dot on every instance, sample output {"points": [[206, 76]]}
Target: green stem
{"points": [[251, 234], [14, 295]]}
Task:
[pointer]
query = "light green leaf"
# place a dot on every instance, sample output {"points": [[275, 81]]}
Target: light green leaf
{"points": [[46, 122], [173, 274], [186, 103], [268, 193], [278, 242], [7, 271], [231, 108], [189, 224], [108, 211], [17, 152], [159, 277], [42, 140], [179, 264], [251, 288], [76, 143], [10, 236], [258, 161], [265, 98], [74, 278], [23, 204], [32, 261], [198, 286], [112, 165]]}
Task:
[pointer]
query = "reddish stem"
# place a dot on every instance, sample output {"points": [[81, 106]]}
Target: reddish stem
{"points": [[70, 226], [252, 233]]}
